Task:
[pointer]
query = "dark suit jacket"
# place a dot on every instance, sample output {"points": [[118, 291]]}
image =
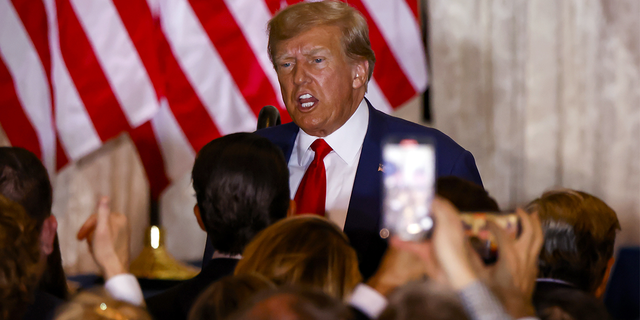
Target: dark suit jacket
{"points": [[43, 307], [176, 302], [573, 301], [363, 216]]}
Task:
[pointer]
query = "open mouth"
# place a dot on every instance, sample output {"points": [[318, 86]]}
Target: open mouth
{"points": [[307, 101]]}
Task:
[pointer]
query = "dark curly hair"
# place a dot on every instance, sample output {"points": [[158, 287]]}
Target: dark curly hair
{"points": [[19, 265], [242, 186]]}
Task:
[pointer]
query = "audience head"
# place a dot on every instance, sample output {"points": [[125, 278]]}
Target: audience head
{"points": [[25, 180], [20, 265], [225, 296], [465, 195], [301, 17], [304, 250], [241, 183], [96, 304], [293, 303], [323, 59], [424, 300], [579, 235]]}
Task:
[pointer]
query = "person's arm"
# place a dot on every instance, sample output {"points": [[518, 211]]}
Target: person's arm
{"points": [[449, 259], [125, 287], [368, 301], [396, 269], [480, 303], [107, 234]]}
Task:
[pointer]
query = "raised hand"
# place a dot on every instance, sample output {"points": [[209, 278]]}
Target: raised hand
{"points": [[512, 278], [107, 234], [445, 255]]}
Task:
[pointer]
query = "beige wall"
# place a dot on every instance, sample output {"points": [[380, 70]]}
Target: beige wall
{"points": [[543, 92]]}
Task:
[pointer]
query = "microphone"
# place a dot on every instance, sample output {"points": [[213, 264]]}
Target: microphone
{"points": [[269, 116]]}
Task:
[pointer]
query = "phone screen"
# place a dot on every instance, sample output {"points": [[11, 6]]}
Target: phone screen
{"points": [[409, 166]]}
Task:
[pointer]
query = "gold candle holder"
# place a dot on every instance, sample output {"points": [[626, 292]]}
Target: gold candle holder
{"points": [[155, 262]]}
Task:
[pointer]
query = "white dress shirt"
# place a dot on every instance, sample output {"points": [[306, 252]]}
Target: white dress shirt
{"points": [[340, 164], [217, 254], [368, 301]]}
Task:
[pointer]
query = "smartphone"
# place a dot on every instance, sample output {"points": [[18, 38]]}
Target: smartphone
{"points": [[475, 227], [409, 175]]}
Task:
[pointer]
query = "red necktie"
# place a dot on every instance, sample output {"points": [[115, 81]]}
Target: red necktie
{"points": [[312, 191]]}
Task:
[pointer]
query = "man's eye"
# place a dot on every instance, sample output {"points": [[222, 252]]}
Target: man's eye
{"points": [[285, 64], [318, 60]]}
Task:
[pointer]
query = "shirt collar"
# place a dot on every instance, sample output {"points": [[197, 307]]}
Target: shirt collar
{"points": [[346, 141], [217, 254], [555, 281]]}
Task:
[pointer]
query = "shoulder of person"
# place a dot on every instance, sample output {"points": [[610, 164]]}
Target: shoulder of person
{"points": [[395, 125], [278, 131]]}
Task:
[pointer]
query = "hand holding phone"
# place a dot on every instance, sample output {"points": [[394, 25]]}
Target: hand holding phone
{"points": [[476, 229]]}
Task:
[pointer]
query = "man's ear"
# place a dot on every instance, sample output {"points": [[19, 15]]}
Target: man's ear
{"points": [[292, 208], [603, 286], [48, 234], [196, 212], [360, 73]]}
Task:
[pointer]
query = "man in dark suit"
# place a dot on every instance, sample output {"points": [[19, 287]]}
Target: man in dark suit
{"points": [[241, 186], [324, 61]]}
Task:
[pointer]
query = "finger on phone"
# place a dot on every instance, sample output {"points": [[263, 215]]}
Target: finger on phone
{"points": [[537, 236], [445, 213], [474, 258], [525, 222], [502, 238]]}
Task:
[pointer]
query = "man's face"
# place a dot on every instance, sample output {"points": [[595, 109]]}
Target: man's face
{"points": [[320, 86]]}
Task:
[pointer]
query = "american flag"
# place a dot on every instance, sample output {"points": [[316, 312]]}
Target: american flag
{"points": [[173, 74]]}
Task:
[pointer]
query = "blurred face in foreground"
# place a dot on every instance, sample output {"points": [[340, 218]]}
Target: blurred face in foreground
{"points": [[321, 87]]}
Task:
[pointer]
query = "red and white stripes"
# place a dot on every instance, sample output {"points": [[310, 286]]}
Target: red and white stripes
{"points": [[174, 74]]}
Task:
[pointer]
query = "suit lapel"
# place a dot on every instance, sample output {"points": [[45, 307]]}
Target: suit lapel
{"points": [[363, 216]]}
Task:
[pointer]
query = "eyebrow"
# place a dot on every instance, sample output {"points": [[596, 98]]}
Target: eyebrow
{"points": [[311, 52], [315, 51]]}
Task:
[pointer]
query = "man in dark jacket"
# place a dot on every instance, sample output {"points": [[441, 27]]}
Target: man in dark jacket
{"points": [[242, 186]]}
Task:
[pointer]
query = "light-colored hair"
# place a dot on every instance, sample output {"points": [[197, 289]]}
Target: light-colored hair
{"points": [[293, 302], [304, 250], [96, 304], [424, 300], [579, 235], [301, 17], [19, 259], [227, 295]]}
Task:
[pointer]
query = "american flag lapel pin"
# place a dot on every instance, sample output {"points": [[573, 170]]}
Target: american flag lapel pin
{"points": [[380, 168]]}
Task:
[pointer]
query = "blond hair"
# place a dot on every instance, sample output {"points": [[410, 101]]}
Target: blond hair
{"points": [[304, 250], [20, 266], [225, 296], [301, 17], [96, 304]]}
